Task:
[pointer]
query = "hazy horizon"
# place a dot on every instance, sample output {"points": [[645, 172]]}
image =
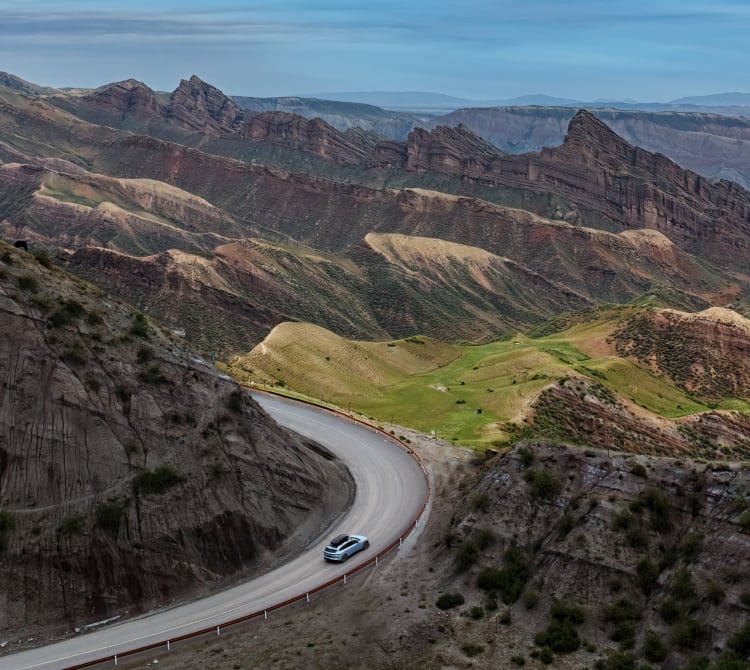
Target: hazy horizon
{"points": [[475, 49]]}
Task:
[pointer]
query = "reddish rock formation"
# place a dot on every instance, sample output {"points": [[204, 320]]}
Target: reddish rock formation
{"points": [[198, 106], [352, 147]]}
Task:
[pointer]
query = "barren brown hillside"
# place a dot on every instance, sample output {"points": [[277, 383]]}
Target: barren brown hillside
{"points": [[130, 469]]}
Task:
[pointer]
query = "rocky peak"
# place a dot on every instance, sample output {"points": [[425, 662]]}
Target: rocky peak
{"points": [[127, 98], [17, 84], [313, 135], [450, 149], [591, 141], [199, 106]]}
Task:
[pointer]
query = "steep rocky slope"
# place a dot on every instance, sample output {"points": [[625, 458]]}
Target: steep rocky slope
{"points": [[713, 145], [705, 352], [581, 556], [130, 470], [594, 181]]}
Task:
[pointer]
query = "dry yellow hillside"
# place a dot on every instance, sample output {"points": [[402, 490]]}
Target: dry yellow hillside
{"points": [[315, 361]]}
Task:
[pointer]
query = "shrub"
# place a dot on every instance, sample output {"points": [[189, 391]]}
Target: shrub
{"points": [[622, 610], [690, 545], [660, 513], [234, 401], [740, 641], [637, 538], [561, 635], [567, 611], [714, 593], [653, 649], [531, 599], [42, 257], [465, 555], [683, 587], [58, 319], [639, 470], [620, 660], [479, 501], [668, 611], [623, 520], [157, 481], [648, 575], [71, 525], [28, 283], [744, 521], [520, 661], [483, 538], [476, 612], [109, 516], [472, 649], [139, 326], [527, 456], [447, 601], [509, 581], [543, 483], [153, 375], [688, 634], [6, 525], [145, 354], [546, 656]]}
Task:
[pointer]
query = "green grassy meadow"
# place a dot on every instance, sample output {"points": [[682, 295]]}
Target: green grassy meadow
{"points": [[475, 396]]}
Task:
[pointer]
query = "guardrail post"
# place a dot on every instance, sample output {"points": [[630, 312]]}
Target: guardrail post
{"points": [[376, 561], [308, 597], [344, 578], [399, 543], [265, 615], [168, 647], [218, 630], [115, 659]]}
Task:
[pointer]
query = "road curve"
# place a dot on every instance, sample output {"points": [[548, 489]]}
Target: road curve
{"points": [[390, 490]]}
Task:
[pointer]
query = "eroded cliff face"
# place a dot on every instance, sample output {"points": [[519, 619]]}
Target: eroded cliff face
{"points": [[130, 470], [196, 105], [638, 546], [351, 147]]}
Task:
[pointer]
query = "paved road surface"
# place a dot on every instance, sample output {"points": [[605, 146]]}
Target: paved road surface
{"points": [[390, 490]]}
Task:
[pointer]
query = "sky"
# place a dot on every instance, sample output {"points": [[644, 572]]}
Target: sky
{"points": [[648, 50]]}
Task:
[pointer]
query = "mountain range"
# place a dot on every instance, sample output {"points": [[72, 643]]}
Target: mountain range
{"points": [[423, 101], [155, 228]]}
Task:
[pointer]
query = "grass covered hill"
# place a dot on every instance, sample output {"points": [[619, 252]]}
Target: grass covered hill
{"points": [[575, 385]]}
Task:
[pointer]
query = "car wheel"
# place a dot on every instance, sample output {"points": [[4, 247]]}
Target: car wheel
{"points": [[345, 557], [366, 545]]}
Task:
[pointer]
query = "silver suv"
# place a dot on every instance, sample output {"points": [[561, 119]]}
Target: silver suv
{"points": [[343, 546]]}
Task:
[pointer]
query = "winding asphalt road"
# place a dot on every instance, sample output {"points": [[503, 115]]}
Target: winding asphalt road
{"points": [[391, 488]]}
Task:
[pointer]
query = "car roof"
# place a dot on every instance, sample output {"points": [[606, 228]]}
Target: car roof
{"points": [[339, 539]]}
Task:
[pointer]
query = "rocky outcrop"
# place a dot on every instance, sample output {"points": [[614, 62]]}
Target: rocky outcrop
{"points": [[705, 353], [638, 547], [612, 180], [130, 469], [713, 145], [315, 136], [200, 107], [452, 150], [17, 84]]}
